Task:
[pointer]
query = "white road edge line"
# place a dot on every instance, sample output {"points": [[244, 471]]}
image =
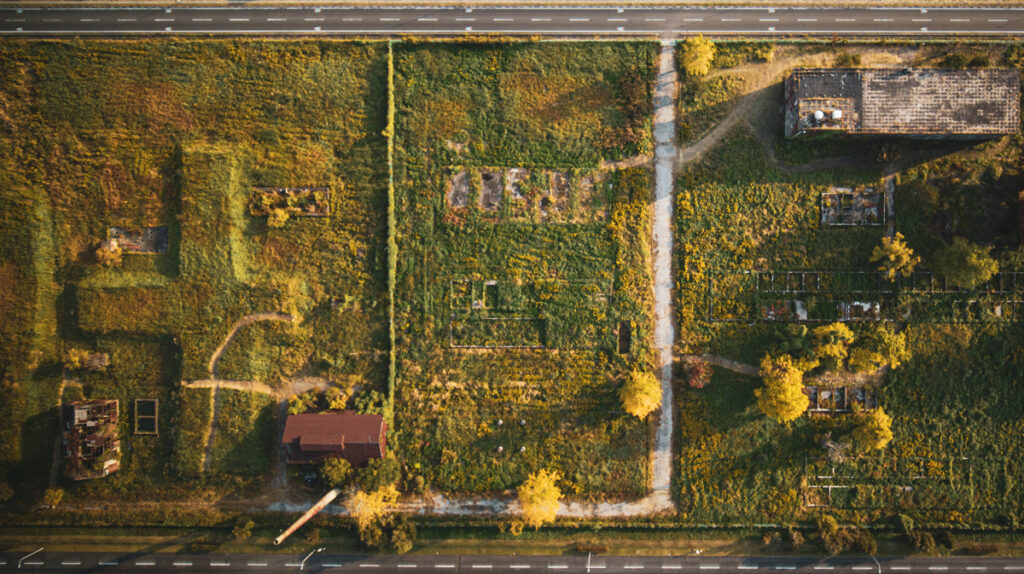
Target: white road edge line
{"points": [[256, 564]]}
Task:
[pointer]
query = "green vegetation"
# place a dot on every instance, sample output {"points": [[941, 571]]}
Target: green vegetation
{"points": [[176, 133], [509, 324]]}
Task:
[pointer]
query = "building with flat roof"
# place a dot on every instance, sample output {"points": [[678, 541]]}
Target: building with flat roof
{"points": [[917, 102], [89, 440], [314, 437]]}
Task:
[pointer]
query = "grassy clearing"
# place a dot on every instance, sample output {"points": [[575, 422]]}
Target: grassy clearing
{"points": [[520, 275], [244, 443], [176, 133]]}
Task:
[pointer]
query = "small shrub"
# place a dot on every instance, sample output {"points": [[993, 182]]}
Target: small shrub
{"points": [[865, 542], [698, 374], [922, 541], [847, 60], [947, 539], [905, 523], [697, 55], [794, 538], [379, 473], [336, 471], [641, 395], [956, 61], [53, 497], [243, 528], [979, 61]]}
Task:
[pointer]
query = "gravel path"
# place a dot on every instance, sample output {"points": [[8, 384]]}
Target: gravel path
{"points": [[248, 319], [664, 331]]}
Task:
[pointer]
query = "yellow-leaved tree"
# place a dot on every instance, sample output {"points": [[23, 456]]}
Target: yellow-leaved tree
{"points": [[641, 395], [697, 55], [895, 256], [367, 507], [874, 431], [782, 397], [832, 344], [539, 496]]}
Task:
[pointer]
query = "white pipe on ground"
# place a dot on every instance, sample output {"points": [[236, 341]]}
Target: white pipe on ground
{"points": [[320, 505]]}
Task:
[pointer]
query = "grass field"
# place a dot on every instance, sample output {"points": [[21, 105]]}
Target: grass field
{"points": [[175, 133], [743, 209], [509, 303]]}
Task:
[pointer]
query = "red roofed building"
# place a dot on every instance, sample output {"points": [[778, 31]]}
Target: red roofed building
{"points": [[313, 437]]}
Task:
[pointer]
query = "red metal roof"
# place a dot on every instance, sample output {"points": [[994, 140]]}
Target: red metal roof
{"points": [[312, 437]]}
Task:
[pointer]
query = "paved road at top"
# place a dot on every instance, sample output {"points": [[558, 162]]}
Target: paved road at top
{"points": [[69, 562], [584, 21]]}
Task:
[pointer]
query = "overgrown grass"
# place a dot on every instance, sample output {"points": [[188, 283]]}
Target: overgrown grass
{"points": [[175, 133], [244, 441], [467, 276]]}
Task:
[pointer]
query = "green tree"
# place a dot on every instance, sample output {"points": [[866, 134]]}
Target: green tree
{"points": [[366, 507], [336, 471], [831, 344], [698, 53], [782, 397], [379, 473], [538, 497], [243, 528], [874, 431], [896, 256], [965, 264], [641, 395], [883, 346], [337, 399], [277, 217], [298, 404]]}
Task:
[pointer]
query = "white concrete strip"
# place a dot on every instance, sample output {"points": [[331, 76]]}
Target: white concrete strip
{"points": [[693, 19], [709, 567], [389, 19], [579, 19], [163, 19], [369, 565], [351, 19], [671, 566], [483, 566], [558, 566], [997, 19], [426, 19], [238, 19], [313, 19], [145, 563], [730, 19], [959, 19], [597, 566], [331, 565], [634, 567], [14, 20], [768, 19], [444, 566], [181, 563], [202, 19], [51, 19], [277, 19], [746, 567], [883, 20], [520, 566], [618, 19], [127, 19], [846, 19], [407, 565], [465, 19], [503, 19], [806, 19], [33, 563], [89, 20], [540, 19], [220, 564], [256, 564], [920, 19], [654, 19], [68, 563], [824, 567]]}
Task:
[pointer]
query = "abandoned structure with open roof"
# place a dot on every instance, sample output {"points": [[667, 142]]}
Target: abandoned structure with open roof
{"points": [[89, 438], [940, 103]]}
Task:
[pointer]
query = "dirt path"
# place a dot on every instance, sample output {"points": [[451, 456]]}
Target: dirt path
{"points": [[635, 161], [830, 379], [248, 319]]}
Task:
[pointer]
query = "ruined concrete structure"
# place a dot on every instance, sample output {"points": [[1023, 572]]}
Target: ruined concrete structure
{"points": [[89, 440], [918, 102]]}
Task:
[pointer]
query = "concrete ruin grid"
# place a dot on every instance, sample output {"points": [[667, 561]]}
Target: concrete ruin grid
{"points": [[921, 102]]}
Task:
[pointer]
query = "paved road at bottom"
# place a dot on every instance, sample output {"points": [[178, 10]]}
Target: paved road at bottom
{"points": [[583, 21], [70, 562]]}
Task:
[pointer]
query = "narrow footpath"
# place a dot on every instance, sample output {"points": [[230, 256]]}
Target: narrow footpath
{"points": [[664, 331]]}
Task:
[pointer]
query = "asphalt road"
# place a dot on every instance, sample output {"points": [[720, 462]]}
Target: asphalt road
{"points": [[158, 563], [665, 22]]}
